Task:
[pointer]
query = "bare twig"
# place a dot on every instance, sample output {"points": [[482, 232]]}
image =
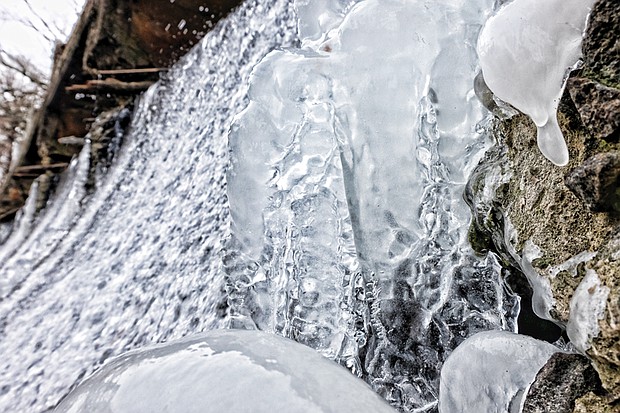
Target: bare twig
{"points": [[24, 67], [56, 32], [110, 85]]}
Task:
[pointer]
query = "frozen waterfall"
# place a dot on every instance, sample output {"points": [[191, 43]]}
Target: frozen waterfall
{"points": [[345, 186], [301, 171]]}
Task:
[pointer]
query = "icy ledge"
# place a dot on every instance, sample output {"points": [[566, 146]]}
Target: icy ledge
{"points": [[525, 52], [587, 307]]}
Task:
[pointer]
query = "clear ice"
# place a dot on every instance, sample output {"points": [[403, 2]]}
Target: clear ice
{"points": [[224, 371], [491, 372], [525, 51], [345, 186]]}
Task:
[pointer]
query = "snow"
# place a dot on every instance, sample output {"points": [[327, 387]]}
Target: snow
{"points": [[490, 372], [224, 371], [525, 52]]}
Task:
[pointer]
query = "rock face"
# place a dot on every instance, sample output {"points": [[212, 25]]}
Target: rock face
{"points": [[564, 379], [596, 180], [561, 225]]}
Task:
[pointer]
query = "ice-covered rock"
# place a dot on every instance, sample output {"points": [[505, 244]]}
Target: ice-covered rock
{"points": [[490, 372], [224, 371], [525, 52]]}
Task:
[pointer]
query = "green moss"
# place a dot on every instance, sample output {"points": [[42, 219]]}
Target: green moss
{"points": [[605, 76], [542, 263]]}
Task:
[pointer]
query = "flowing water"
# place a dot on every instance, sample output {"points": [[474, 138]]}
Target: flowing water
{"points": [[347, 229]]}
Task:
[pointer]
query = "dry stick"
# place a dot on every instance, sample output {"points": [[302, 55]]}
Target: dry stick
{"points": [[8, 213], [27, 168], [131, 71], [111, 85]]}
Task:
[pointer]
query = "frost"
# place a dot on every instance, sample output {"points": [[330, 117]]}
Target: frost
{"points": [[490, 372], [525, 51], [587, 307], [139, 261], [224, 371]]}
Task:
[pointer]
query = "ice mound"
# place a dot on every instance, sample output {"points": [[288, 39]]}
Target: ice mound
{"points": [[525, 52], [224, 371], [491, 372]]}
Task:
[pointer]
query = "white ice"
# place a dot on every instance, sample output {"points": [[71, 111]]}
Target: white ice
{"points": [[490, 372], [587, 307], [224, 371], [525, 52]]}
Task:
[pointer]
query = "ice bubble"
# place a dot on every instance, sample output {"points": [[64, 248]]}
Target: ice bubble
{"points": [[525, 52], [491, 372], [223, 371]]}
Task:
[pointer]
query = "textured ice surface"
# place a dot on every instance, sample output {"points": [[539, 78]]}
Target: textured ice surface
{"points": [[491, 372], [224, 371], [346, 179], [138, 262], [525, 52], [587, 307], [345, 186]]}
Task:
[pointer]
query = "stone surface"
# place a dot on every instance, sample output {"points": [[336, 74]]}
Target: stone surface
{"points": [[599, 107], [591, 403], [595, 182], [601, 48], [605, 350], [562, 380]]}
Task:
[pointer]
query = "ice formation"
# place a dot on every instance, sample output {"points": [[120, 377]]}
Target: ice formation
{"points": [[224, 371], [345, 186], [346, 180], [491, 372], [525, 52], [587, 307], [542, 294]]}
